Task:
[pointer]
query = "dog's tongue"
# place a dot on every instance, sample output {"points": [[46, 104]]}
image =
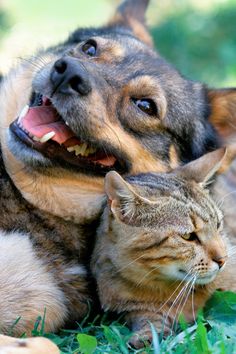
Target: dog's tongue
{"points": [[107, 161], [44, 119], [41, 120]]}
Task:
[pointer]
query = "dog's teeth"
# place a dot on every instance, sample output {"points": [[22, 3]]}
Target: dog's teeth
{"points": [[35, 138], [23, 113], [66, 123], [71, 148], [47, 137], [92, 150], [78, 149], [82, 150]]}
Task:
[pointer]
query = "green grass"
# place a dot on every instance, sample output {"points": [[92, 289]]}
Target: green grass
{"points": [[200, 43], [213, 332], [57, 17]]}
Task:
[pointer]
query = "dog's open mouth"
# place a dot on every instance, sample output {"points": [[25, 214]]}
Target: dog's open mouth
{"points": [[41, 127]]}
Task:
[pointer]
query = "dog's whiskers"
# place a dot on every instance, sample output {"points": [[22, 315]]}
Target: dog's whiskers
{"points": [[34, 64]]}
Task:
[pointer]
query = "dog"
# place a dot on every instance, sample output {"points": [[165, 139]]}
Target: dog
{"points": [[102, 100]]}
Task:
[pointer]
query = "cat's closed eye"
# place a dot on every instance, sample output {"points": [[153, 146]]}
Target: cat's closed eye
{"points": [[190, 237]]}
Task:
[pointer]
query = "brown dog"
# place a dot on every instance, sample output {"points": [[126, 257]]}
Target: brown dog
{"points": [[102, 100]]}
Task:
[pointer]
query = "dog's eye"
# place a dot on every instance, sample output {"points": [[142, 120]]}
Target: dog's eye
{"points": [[146, 105], [190, 237], [90, 48]]}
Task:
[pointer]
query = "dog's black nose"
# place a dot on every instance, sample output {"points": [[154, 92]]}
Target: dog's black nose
{"points": [[69, 76]]}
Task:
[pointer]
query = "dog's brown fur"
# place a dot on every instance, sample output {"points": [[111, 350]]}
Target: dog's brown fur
{"points": [[54, 205]]}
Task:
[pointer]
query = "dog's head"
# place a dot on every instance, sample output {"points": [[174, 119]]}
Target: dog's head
{"points": [[103, 100]]}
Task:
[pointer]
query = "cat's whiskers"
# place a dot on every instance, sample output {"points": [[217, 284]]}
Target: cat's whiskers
{"points": [[148, 273], [176, 289], [179, 294], [193, 311], [232, 248], [220, 202], [127, 265], [231, 252], [178, 297], [191, 288], [182, 299]]}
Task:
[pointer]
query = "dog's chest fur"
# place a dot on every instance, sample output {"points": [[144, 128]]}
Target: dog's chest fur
{"points": [[49, 234]]}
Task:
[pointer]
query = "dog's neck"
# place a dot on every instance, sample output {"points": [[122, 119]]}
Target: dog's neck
{"points": [[66, 196]]}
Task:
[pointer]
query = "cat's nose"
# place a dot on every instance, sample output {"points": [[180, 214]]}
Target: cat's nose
{"points": [[68, 76], [220, 261]]}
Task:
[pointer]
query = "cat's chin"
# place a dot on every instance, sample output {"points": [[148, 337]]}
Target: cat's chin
{"points": [[202, 280], [199, 279]]}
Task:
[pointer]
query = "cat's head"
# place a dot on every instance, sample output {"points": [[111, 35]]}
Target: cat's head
{"points": [[166, 226]]}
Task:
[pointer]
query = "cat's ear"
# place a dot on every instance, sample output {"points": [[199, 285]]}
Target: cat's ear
{"points": [[222, 103], [202, 169], [121, 196], [131, 14]]}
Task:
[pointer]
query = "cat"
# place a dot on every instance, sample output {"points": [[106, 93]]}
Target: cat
{"points": [[161, 239]]}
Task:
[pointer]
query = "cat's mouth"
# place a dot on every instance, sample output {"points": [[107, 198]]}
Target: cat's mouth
{"points": [[41, 128], [197, 277]]}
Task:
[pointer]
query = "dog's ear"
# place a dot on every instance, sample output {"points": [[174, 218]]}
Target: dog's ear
{"points": [[223, 118], [223, 112], [131, 14]]}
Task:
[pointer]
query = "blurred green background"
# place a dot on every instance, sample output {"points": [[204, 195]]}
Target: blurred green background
{"points": [[197, 36]]}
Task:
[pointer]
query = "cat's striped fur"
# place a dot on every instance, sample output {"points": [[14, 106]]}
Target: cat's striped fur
{"points": [[161, 240]]}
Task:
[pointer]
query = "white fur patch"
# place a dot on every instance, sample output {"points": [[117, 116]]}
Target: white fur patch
{"points": [[26, 287]]}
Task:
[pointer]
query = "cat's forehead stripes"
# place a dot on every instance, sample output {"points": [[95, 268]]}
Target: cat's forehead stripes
{"points": [[190, 198], [204, 208]]}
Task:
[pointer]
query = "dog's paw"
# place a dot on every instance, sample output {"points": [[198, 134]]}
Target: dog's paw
{"points": [[36, 345]]}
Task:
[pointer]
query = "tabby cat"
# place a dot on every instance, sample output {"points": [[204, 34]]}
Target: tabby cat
{"points": [[161, 248]]}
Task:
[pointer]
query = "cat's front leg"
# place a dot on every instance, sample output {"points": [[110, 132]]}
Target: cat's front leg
{"points": [[140, 323], [163, 317]]}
